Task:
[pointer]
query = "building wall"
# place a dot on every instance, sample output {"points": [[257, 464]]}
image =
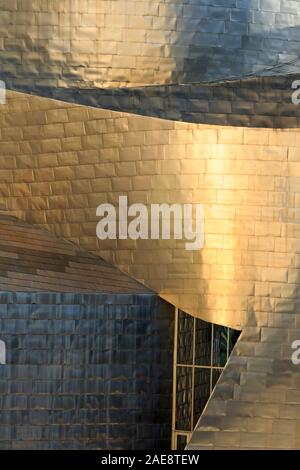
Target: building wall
{"points": [[251, 102], [60, 161], [202, 352], [255, 404], [125, 42], [79, 371]]}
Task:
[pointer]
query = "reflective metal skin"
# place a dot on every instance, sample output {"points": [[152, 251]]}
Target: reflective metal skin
{"points": [[60, 161], [107, 43], [255, 404]]}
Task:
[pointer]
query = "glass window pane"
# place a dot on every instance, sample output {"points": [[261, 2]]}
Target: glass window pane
{"points": [[185, 338], [215, 377], [181, 442], [203, 343], [184, 398], [202, 391], [220, 345], [233, 337]]}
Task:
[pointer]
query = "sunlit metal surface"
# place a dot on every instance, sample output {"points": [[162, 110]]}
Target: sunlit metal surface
{"points": [[60, 161], [255, 404], [106, 43]]}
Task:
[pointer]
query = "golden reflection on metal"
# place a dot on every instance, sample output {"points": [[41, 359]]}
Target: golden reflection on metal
{"points": [[60, 161]]}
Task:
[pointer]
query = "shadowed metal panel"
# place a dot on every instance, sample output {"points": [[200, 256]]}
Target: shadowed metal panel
{"points": [[252, 102], [79, 371], [34, 259]]}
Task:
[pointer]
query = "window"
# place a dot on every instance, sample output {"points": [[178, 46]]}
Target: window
{"points": [[200, 354]]}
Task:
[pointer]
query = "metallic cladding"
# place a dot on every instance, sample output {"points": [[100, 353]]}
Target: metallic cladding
{"points": [[60, 161], [110, 43]]}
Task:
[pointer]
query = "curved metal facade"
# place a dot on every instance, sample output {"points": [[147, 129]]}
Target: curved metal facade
{"points": [[66, 385], [124, 42], [59, 161], [62, 161]]}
